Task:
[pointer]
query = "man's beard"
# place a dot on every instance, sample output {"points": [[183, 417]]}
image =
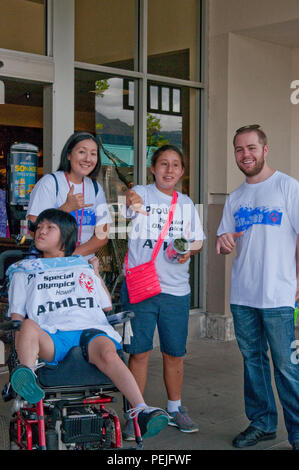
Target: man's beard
{"points": [[255, 170]]}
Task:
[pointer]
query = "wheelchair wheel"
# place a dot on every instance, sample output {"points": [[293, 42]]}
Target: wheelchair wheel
{"points": [[4, 433], [26, 441], [113, 437]]}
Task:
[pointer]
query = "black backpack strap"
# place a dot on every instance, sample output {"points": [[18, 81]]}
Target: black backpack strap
{"points": [[94, 182], [96, 187], [56, 182]]}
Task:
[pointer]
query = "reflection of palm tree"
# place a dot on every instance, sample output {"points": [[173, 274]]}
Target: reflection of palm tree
{"points": [[153, 137], [116, 162]]}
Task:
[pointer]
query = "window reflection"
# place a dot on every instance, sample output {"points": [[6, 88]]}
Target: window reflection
{"points": [[104, 32], [173, 38], [114, 127], [26, 17], [101, 103], [165, 99], [153, 97], [162, 129]]}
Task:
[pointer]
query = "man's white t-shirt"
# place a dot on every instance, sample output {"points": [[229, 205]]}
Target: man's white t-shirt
{"points": [[264, 269], [145, 230], [66, 299], [43, 196]]}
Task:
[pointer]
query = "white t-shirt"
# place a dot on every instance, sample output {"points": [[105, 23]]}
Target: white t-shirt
{"points": [[145, 230], [264, 269], [67, 299], [43, 196]]}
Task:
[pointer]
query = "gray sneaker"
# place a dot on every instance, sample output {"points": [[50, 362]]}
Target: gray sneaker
{"points": [[181, 420]]}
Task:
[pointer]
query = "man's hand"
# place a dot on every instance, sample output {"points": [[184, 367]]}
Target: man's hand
{"points": [[297, 293], [225, 243], [134, 201]]}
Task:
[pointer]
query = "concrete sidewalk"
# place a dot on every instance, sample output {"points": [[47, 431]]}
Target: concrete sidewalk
{"points": [[213, 393]]}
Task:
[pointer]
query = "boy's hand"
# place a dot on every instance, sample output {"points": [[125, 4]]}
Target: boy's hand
{"points": [[94, 261]]}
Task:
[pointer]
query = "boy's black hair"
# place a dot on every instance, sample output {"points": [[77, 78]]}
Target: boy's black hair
{"points": [[67, 226], [73, 140]]}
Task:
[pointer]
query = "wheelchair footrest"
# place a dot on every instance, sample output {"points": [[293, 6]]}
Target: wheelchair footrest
{"points": [[81, 428]]}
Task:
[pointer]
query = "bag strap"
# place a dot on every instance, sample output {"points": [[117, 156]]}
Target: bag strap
{"points": [[163, 231]]}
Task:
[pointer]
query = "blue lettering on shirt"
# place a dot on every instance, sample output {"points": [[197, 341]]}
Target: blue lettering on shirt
{"points": [[245, 217], [89, 217]]}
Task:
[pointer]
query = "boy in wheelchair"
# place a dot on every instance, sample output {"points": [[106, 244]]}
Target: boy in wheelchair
{"points": [[59, 300]]}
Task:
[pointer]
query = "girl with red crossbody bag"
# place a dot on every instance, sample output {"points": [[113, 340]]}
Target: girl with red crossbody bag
{"points": [[156, 290]]}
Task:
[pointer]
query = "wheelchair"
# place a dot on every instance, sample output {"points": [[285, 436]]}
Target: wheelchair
{"points": [[76, 412]]}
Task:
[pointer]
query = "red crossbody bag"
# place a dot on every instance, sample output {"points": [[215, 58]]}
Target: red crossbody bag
{"points": [[142, 281]]}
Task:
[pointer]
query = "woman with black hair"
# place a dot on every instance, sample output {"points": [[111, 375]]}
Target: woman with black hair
{"points": [[73, 188]]}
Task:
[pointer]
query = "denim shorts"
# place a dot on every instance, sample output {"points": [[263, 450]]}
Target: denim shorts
{"points": [[65, 340], [170, 313]]}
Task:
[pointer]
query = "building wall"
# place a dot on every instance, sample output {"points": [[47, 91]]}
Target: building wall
{"points": [[251, 64], [294, 165], [259, 92]]}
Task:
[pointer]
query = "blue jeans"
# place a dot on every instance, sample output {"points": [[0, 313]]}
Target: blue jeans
{"points": [[254, 329]]}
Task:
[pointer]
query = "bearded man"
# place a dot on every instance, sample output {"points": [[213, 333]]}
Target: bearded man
{"points": [[261, 220]]}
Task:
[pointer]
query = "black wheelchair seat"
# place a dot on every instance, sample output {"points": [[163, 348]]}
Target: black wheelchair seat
{"points": [[74, 371]]}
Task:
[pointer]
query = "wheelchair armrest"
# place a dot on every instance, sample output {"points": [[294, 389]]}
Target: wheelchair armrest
{"points": [[120, 317], [10, 325]]}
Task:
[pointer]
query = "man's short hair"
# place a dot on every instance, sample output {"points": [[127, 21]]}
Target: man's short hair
{"points": [[252, 128]]}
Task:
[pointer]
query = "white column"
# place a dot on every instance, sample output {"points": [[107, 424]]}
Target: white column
{"points": [[59, 99]]}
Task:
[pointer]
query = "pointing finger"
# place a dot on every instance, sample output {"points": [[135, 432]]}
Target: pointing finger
{"points": [[237, 234]]}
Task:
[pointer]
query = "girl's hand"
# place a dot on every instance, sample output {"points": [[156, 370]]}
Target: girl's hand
{"points": [[184, 258], [134, 201]]}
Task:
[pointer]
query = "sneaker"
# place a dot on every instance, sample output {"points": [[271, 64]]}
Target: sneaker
{"points": [[23, 381], [181, 420], [151, 420], [252, 436], [128, 432]]}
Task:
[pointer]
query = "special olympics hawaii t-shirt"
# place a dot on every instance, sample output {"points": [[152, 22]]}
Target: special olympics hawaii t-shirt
{"points": [[66, 299], [264, 269], [145, 230]]}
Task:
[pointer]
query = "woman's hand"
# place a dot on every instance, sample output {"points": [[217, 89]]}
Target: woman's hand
{"points": [[74, 202]]}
